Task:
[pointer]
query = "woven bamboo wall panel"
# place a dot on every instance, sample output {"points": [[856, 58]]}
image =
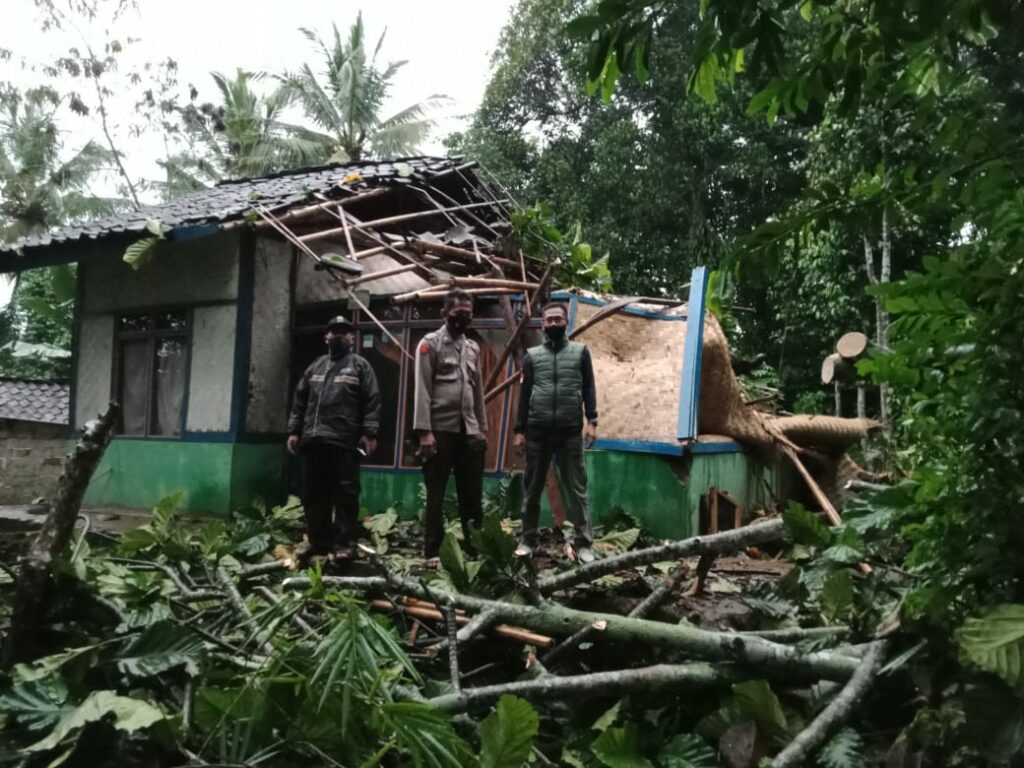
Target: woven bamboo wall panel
{"points": [[638, 364]]}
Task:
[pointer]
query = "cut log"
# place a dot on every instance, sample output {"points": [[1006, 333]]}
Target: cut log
{"points": [[852, 345]]}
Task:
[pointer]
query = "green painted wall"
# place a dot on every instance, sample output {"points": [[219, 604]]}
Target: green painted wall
{"points": [[218, 477], [138, 473], [258, 470]]}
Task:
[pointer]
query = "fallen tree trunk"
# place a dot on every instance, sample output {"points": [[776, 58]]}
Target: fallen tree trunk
{"points": [[32, 591], [558, 621], [596, 684], [831, 719], [716, 543]]}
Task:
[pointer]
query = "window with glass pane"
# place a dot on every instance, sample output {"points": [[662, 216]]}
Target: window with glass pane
{"points": [[152, 361], [386, 359]]}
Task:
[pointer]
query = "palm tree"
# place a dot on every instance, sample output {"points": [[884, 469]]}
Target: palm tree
{"points": [[243, 136], [346, 104], [39, 189]]}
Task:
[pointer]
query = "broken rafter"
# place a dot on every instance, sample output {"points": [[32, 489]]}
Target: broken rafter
{"points": [[453, 201], [459, 253], [301, 213], [435, 293], [424, 610], [493, 393], [617, 306], [499, 364], [363, 225], [485, 282], [371, 276]]}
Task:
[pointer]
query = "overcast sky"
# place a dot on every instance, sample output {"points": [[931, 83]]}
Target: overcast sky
{"points": [[448, 44]]}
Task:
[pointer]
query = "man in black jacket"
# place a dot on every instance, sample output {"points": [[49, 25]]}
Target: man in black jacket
{"points": [[334, 419]]}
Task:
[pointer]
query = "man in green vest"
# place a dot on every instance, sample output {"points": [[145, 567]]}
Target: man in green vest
{"points": [[556, 391]]}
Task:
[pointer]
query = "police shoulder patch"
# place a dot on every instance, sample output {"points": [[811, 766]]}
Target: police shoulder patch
{"points": [[424, 348]]}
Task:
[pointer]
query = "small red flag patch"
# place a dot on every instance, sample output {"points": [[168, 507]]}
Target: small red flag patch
{"points": [[424, 348]]}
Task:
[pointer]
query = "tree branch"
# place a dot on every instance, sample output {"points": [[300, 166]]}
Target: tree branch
{"points": [[556, 620], [831, 719], [716, 543], [596, 684]]}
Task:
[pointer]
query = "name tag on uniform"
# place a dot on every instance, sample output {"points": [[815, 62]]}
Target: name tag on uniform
{"points": [[451, 361], [344, 378], [317, 378]]}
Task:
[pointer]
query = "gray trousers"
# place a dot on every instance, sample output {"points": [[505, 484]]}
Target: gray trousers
{"points": [[566, 445]]}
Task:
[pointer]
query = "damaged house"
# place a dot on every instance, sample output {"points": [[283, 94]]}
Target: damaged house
{"points": [[201, 341]]}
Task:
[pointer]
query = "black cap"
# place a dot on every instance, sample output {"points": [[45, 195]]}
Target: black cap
{"points": [[339, 322]]}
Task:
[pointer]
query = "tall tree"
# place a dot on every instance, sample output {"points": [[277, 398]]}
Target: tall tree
{"points": [[346, 98], [242, 136], [659, 182], [40, 184]]}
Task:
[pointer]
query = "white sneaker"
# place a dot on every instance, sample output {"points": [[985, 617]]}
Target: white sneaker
{"points": [[524, 550], [585, 555]]}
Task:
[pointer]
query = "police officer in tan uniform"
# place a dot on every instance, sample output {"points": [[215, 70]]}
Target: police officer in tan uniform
{"points": [[450, 419]]}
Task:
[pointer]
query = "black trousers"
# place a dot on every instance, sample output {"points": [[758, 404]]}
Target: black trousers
{"points": [[463, 455], [331, 500]]}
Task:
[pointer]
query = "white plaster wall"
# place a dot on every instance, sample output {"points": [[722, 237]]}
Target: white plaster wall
{"points": [[267, 407], [213, 358], [93, 366], [194, 271]]}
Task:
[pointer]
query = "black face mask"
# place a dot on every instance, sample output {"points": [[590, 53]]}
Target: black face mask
{"points": [[339, 346], [459, 322], [555, 332]]}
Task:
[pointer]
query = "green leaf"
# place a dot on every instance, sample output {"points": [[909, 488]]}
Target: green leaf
{"points": [[163, 646], [617, 542], [493, 543], [48, 665], [506, 735], [154, 227], [848, 548], [136, 540], [804, 527], [36, 704], [620, 748], [129, 714], [426, 734], [605, 721], [453, 563], [995, 720], [687, 750], [845, 750], [139, 253], [758, 702], [994, 642], [837, 596], [381, 524]]}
